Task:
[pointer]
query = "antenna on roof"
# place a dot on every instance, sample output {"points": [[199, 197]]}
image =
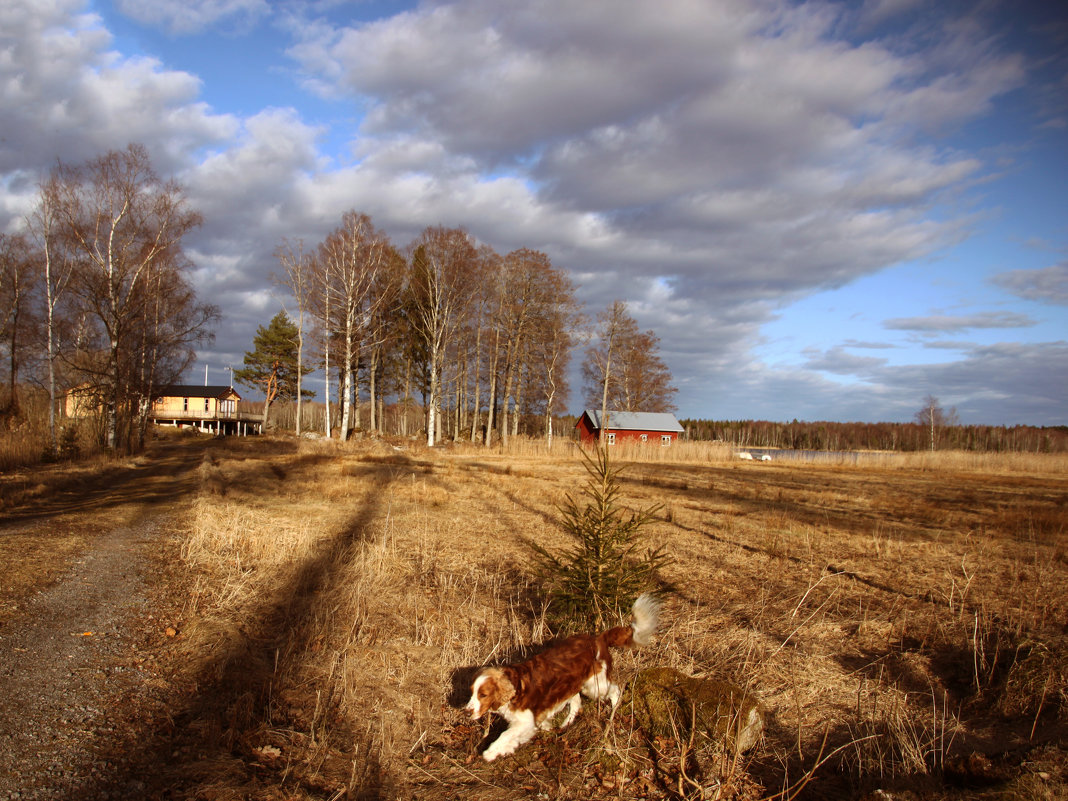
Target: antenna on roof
{"points": [[205, 375]]}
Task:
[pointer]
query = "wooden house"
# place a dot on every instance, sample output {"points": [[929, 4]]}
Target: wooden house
{"points": [[659, 428], [83, 400], [209, 408]]}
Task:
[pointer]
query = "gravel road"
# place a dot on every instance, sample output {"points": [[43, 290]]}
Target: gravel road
{"points": [[66, 664], [77, 660]]}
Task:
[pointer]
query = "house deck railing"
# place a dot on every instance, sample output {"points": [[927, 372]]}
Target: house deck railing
{"points": [[253, 417]]}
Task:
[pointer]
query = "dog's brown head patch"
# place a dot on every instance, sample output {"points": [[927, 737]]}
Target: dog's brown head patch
{"points": [[490, 691]]}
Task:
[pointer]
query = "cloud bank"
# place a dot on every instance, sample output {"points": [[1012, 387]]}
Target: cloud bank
{"points": [[709, 162]]}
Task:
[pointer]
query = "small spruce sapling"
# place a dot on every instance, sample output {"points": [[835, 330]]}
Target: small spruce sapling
{"points": [[602, 574]]}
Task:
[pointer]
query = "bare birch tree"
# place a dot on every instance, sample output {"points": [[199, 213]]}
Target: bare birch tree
{"points": [[526, 274], [121, 219], [354, 256], [44, 226], [597, 369], [932, 416], [485, 269], [382, 328], [442, 260], [553, 340], [298, 279], [17, 282], [623, 367]]}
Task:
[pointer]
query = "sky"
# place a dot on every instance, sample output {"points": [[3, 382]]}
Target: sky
{"points": [[825, 211]]}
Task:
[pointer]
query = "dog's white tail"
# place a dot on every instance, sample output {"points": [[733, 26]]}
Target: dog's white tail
{"points": [[646, 612]]}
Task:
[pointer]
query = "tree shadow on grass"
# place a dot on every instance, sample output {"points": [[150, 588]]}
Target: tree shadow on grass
{"points": [[208, 745]]}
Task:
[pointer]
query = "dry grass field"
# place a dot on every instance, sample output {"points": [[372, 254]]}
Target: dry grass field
{"points": [[904, 621], [903, 624]]}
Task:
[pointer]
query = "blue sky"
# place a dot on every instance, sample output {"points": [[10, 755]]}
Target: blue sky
{"points": [[825, 210]]}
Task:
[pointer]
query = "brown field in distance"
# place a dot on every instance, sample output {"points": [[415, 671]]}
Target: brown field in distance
{"points": [[902, 620]]}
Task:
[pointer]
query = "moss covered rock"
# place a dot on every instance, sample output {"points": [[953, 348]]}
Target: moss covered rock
{"points": [[668, 703]]}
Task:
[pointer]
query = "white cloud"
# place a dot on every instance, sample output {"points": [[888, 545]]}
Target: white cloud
{"points": [[1004, 383], [1046, 285], [875, 12], [191, 16], [706, 135], [1010, 382], [64, 94], [948, 323], [839, 360]]}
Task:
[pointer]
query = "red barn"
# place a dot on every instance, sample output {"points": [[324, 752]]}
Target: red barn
{"points": [[658, 427]]}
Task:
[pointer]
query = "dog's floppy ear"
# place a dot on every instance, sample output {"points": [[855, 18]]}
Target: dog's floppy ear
{"points": [[499, 688]]}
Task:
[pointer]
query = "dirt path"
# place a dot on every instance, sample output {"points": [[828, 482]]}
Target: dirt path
{"points": [[76, 657]]}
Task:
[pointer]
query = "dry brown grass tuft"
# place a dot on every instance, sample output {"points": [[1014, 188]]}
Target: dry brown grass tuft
{"points": [[892, 620]]}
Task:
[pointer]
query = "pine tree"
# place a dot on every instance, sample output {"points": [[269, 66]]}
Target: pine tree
{"points": [[272, 366], [604, 572]]}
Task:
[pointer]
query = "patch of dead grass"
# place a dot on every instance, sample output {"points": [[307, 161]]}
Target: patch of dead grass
{"points": [[890, 619]]}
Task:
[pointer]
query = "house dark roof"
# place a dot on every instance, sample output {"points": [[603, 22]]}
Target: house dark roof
{"points": [[636, 421], [189, 391]]}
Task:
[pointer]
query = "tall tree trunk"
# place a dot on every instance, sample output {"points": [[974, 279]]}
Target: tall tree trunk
{"points": [[300, 369], [432, 419], [518, 402], [508, 378], [13, 402], [328, 428], [407, 395], [491, 409], [373, 424], [476, 412], [112, 402], [346, 396]]}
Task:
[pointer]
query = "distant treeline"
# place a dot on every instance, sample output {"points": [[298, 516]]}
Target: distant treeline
{"points": [[878, 436]]}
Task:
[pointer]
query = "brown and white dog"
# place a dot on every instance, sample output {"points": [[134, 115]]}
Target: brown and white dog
{"points": [[529, 694]]}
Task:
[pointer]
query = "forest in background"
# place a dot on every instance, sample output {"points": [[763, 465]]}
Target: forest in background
{"points": [[831, 436]]}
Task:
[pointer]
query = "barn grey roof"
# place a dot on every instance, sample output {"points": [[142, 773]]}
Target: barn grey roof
{"points": [[636, 421]]}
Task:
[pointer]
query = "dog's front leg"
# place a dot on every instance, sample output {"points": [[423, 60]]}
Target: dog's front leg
{"points": [[574, 704], [614, 694], [520, 730]]}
